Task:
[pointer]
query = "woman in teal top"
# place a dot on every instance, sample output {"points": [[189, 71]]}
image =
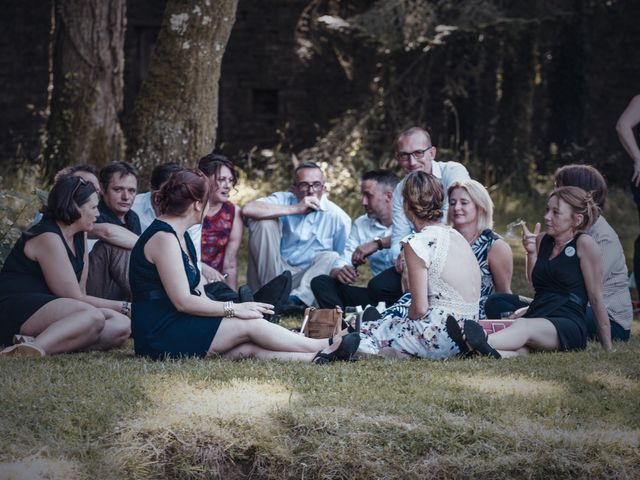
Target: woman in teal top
{"points": [[171, 317]]}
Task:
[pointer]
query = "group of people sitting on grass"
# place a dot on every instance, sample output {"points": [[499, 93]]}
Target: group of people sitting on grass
{"points": [[103, 263]]}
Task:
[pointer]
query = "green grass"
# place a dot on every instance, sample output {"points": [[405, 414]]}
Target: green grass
{"points": [[116, 416], [112, 416]]}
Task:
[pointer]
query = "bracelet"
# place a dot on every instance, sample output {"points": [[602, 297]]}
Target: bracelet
{"points": [[125, 308], [227, 307], [378, 241]]}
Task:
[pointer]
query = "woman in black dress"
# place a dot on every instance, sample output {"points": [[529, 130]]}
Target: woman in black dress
{"points": [[45, 309], [566, 276], [172, 318]]}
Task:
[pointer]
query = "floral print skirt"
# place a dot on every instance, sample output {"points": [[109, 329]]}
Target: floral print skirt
{"points": [[425, 337]]}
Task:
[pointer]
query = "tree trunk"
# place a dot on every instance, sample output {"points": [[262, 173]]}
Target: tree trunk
{"points": [[175, 114], [88, 64]]}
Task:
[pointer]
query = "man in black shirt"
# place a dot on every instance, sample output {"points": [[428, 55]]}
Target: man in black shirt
{"points": [[120, 226]]}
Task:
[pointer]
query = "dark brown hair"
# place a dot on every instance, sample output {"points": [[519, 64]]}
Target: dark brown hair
{"points": [[66, 196], [181, 190], [69, 171], [585, 177], [121, 168], [212, 163], [423, 196]]}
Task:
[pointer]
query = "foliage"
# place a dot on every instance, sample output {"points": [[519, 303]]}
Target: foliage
{"points": [[17, 211], [499, 84]]}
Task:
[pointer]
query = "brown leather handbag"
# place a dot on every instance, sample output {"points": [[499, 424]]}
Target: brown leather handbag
{"points": [[321, 322]]}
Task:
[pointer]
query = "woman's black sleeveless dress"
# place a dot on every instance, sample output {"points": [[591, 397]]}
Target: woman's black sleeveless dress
{"points": [[561, 295], [159, 329], [23, 289]]}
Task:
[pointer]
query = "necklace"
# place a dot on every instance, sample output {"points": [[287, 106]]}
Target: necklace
{"points": [[561, 244], [474, 238]]}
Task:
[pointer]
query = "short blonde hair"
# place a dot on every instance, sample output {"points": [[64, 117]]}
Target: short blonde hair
{"points": [[480, 197]]}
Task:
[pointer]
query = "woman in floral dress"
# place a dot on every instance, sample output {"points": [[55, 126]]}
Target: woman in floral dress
{"points": [[441, 273], [471, 214]]}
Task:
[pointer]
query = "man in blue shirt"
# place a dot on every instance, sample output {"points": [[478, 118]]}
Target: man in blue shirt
{"points": [[414, 152], [369, 240], [301, 231]]}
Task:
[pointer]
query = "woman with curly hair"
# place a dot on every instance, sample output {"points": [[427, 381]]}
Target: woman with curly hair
{"points": [[441, 273]]}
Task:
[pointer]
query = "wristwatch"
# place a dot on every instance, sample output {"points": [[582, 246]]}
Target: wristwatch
{"points": [[378, 241]]}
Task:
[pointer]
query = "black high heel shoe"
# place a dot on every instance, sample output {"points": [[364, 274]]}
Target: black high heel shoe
{"points": [[345, 352], [455, 334], [477, 338]]}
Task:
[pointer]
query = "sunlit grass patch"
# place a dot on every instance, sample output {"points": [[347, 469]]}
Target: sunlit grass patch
{"points": [[614, 382], [199, 428], [178, 403], [36, 467], [512, 386]]}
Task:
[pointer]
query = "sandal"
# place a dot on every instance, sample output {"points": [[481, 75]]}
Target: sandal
{"points": [[24, 350], [477, 338], [345, 351], [455, 334], [352, 327], [18, 338]]}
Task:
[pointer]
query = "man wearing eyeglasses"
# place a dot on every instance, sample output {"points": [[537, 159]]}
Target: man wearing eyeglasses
{"points": [[300, 230], [414, 152]]}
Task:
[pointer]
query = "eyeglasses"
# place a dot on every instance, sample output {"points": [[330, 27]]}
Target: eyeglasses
{"points": [[81, 181], [417, 154], [310, 186]]}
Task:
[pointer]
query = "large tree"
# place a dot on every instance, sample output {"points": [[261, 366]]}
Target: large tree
{"points": [[88, 62], [175, 114]]}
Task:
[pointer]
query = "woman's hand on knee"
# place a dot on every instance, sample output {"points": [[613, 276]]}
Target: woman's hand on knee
{"points": [[251, 310]]}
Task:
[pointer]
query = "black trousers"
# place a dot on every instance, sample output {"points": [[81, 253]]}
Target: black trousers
{"points": [[385, 287], [330, 292], [498, 303], [636, 246]]}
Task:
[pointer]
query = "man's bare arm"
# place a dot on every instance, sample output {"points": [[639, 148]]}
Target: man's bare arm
{"points": [[259, 210], [629, 119], [114, 234]]}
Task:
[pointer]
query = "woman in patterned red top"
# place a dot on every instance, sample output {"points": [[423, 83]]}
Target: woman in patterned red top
{"points": [[221, 226]]}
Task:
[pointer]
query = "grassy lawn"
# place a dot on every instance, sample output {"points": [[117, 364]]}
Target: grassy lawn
{"points": [[111, 415], [115, 416]]}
